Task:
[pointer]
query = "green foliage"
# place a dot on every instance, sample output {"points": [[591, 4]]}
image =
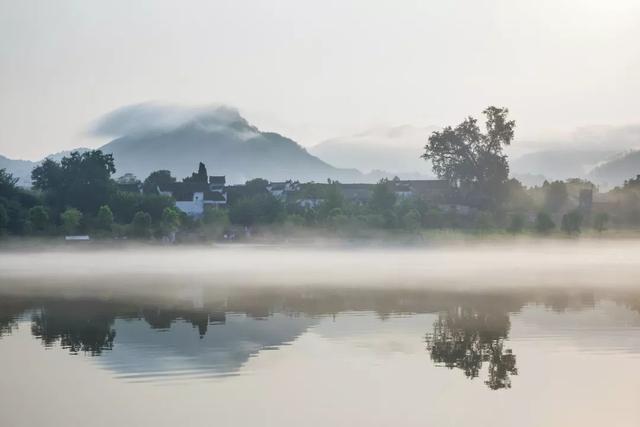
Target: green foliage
{"points": [[141, 225], [170, 220], [82, 180], [600, 222], [39, 218], [257, 209], [555, 195], [544, 224], [464, 155], [516, 224], [4, 218], [412, 220], [7, 184], [383, 198], [157, 179], [571, 222], [70, 219], [16, 202], [104, 218], [124, 205], [484, 221], [155, 205], [333, 199]]}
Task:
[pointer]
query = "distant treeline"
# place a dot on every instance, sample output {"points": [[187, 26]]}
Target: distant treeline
{"points": [[78, 195]]}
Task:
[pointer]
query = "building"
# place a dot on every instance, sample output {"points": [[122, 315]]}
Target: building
{"points": [[357, 193], [192, 197], [281, 190]]}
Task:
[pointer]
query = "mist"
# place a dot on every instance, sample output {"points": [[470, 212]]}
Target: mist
{"points": [[527, 263]]}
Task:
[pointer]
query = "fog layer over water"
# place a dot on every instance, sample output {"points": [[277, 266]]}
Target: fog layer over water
{"points": [[473, 265]]}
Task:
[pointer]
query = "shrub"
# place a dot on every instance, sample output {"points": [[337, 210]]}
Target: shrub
{"points": [[544, 224], [516, 224], [70, 219], [571, 222]]}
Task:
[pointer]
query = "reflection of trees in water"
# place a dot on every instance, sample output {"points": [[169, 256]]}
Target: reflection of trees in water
{"points": [[85, 327], [466, 339], [10, 311]]}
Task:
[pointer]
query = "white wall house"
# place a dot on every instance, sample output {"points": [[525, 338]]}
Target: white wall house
{"points": [[192, 197]]}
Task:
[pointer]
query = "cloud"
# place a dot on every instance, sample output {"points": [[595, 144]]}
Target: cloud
{"points": [[152, 118]]}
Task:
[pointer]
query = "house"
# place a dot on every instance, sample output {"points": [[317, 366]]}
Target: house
{"points": [[357, 193], [192, 197], [281, 190], [431, 190]]}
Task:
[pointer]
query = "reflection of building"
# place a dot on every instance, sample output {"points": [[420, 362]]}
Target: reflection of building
{"points": [[192, 197]]}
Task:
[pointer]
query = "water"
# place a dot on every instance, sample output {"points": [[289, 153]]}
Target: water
{"points": [[134, 345]]}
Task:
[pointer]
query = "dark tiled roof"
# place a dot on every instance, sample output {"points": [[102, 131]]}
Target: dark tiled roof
{"points": [[217, 179], [183, 191]]}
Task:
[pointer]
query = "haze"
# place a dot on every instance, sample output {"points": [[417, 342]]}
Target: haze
{"points": [[316, 70], [453, 266]]}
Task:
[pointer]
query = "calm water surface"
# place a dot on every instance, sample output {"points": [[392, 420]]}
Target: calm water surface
{"points": [[203, 353]]}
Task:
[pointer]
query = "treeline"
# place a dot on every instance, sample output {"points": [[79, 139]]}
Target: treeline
{"points": [[78, 196]]}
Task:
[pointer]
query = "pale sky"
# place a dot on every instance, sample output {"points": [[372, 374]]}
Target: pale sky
{"points": [[313, 70]]}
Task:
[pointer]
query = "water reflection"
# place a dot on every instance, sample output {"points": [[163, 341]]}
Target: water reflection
{"points": [[214, 332], [467, 338]]}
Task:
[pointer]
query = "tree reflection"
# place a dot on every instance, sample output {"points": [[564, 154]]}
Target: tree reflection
{"points": [[87, 327], [466, 338]]}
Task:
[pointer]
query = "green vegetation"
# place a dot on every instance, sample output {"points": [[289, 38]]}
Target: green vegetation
{"points": [[78, 195]]}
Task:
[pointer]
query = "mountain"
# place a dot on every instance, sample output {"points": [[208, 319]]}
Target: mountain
{"points": [[218, 137], [559, 164], [395, 150], [615, 171], [20, 169]]}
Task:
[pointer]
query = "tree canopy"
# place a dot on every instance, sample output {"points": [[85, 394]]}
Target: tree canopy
{"points": [[81, 180], [471, 159]]}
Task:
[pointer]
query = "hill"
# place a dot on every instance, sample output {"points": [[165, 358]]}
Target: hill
{"points": [[393, 149], [616, 171], [218, 137]]}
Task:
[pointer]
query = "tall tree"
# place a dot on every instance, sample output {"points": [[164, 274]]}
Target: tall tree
{"points": [[80, 180], [157, 179], [473, 160], [201, 176]]}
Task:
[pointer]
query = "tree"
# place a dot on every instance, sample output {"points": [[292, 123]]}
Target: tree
{"points": [[155, 205], [517, 224], [600, 222], [257, 209], [141, 225], [70, 219], [4, 219], [124, 206], [104, 218], [170, 220], [128, 179], [474, 160], [383, 198], [412, 220], [571, 222], [201, 176], [555, 195], [159, 178], [544, 224], [8, 183], [39, 217], [82, 181]]}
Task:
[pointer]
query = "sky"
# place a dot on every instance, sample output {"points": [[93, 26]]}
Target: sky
{"points": [[314, 70]]}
